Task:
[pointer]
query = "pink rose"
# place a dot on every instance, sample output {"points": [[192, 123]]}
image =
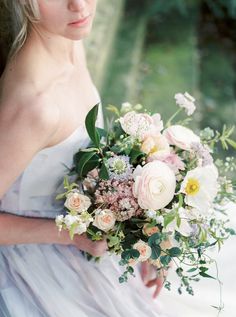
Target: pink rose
{"points": [[154, 185], [181, 137]]}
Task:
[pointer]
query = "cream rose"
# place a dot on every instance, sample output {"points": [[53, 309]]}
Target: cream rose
{"points": [[144, 250], [155, 146], [104, 220], [181, 137], [149, 231], [77, 202], [154, 185]]}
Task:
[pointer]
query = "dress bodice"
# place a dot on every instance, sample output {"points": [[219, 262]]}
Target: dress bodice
{"points": [[34, 191]]}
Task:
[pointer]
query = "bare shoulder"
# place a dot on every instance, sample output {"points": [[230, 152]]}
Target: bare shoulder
{"points": [[30, 111]]}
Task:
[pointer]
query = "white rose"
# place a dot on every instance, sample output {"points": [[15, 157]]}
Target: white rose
{"points": [[144, 250], [154, 186], [104, 220], [77, 202], [181, 137]]}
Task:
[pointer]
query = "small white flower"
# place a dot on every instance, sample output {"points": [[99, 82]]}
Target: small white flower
{"points": [[150, 213], [80, 228], [126, 107], [59, 221], [186, 101], [69, 220]]}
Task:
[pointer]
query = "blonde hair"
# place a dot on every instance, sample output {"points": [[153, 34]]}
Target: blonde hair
{"points": [[25, 13]]}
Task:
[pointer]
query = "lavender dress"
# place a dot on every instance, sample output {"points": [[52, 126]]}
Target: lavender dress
{"points": [[51, 280]]}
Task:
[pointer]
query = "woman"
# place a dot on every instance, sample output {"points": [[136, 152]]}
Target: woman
{"points": [[46, 92]]}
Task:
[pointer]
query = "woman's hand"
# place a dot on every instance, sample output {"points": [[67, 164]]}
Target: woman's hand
{"points": [[150, 279], [95, 248]]}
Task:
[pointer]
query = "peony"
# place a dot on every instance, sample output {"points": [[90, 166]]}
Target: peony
{"points": [[155, 146], [181, 137], [154, 185], [104, 219], [186, 101], [140, 125], [200, 187], [144, 250], [77, 202]]}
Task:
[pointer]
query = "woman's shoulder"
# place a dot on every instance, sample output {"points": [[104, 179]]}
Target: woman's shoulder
{"points": [[24, 107]]}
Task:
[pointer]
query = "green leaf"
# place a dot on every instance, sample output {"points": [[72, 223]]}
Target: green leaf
{"points": [[104, 173], [66, 182], [81, 159], [168, 218], [174, 252], [154, 239], [192, 270], [102, 132], [165, 259], [113, 109], [203, 274], [135, 154], [113, 241], [156, 252], [232, 143], [90, 123]]}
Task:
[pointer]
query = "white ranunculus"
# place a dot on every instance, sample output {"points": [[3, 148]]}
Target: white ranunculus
{"points": [[154, 186], [144, 250], [200, 187], [77, 202], [181, 137], [186, 101], [104, 220]]}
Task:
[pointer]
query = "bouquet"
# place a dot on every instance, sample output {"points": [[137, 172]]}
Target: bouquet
{"points": [[156, 193]]}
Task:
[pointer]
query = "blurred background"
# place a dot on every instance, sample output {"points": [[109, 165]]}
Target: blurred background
{"points": [[145, 51]]}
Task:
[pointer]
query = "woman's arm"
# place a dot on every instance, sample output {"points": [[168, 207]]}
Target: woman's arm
{"points": [[26, 127], [26, 230]]}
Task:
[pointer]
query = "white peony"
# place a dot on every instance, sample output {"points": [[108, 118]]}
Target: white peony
{"points": [[154, 185], [200, 187], [181, 137], [140, 125]]}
